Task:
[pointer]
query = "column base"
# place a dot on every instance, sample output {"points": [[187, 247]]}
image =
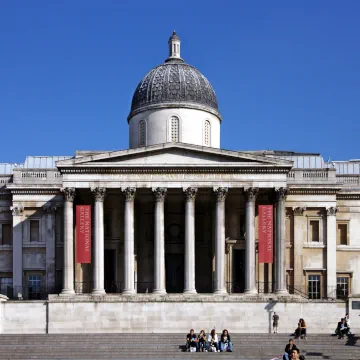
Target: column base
{"points": [[220, 292], [282, 292], [159, 292], [129, 292], [190, 292], [251, 292], [67, 292], [100, 292]]}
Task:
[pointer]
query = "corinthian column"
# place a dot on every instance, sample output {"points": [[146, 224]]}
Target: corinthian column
{"points": [[129, 286], [99, 195], [159, 242], [280, 254], [250, 274], [219, 286], [17, 212], [68, 285], [189, 284], [331, 251]]}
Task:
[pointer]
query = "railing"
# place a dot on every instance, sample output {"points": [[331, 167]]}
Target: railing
{"points": [[33, 174], [349, 179], [294, 291], [309, 175], [314, 173]]}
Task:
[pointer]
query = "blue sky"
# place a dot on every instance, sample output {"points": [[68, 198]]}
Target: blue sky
{"points": [[286, 73]]}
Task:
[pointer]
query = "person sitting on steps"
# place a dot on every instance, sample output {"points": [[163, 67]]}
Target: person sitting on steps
{"points": [[303, 329], [213, 341], [288, 349], [347, 323], [341, 329], [203, 345], [298, 330], [192, 341], [225, 342]]}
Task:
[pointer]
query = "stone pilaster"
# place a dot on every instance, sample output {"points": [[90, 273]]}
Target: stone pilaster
{"points": [[17, 212], [68, 283], [331, 251], [299, 236], [159, 242], [280, 248], [98, 277], [250, 272], [219, 286], [189, 283], [50, 213], [129, 263]]}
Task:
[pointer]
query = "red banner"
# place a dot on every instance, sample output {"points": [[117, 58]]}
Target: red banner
{"points": [[266, 242], [83, 234]]}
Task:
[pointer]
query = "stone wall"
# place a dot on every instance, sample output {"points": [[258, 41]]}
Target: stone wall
{"points": [[119, 314]]}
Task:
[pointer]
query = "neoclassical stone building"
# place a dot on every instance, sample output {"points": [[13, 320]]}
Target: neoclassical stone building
{"points": [[175, 213]]}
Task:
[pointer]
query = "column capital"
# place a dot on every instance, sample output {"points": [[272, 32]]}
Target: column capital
{"points": [[160, 194], [281, 194], [190, 193], [221, 193], [69, 194], [298, 211], [99, 193], [331, 211], [49, 209], [129, 193], [251, 193], [17, 210]]}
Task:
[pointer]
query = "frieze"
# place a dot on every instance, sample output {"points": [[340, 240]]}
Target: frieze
{"points": [[313, 191], [35, 191], [348, 197], [208, 171]]}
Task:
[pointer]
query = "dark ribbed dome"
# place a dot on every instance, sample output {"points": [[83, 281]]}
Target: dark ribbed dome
{"points": [[174, 84]]}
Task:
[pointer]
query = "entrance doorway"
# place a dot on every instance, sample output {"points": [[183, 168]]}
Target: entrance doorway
{"points": [[238, 271], [174, 270], [110, 271]]}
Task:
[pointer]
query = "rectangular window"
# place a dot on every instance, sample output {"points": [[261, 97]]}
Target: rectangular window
{"points": [[314, 231], [34, 286], [34, 230], [342, 287], [6, 234], [6, 286], [342, 234], [314, 286]]}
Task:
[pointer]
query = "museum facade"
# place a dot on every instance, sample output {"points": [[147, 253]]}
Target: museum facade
{"points": [[175, 218]]}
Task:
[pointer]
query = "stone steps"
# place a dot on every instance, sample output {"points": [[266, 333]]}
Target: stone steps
{"points": [[168, 346]]}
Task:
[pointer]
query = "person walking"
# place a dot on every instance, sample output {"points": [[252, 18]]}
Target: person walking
{"points": [[275, 322]]}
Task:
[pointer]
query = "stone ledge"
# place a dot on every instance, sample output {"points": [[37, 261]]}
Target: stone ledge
{"points": [[176, 298]]}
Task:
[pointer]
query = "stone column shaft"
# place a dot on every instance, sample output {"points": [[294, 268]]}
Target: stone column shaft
{"points": [[331, 251], [189, 283], [68, 285], [159, 242], [129, 267], [17, 212], [280, 254], [50, 246], [99, 194], [219, 286], [250, 273], [299, 231]]}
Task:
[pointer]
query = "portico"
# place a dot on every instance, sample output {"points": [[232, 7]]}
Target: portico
{"points": [[123, 177]]}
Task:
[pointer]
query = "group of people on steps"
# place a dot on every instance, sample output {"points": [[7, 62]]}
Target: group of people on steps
{"points": [[205, 343]]}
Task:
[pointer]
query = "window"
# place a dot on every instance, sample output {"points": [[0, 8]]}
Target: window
{"points": [[207, 133], [142, 133], [6, 234], [314, 230], [314, 286], [6, 285], [174, 129], [34, 230], [342, 287], [34, 285], [342, 234]]}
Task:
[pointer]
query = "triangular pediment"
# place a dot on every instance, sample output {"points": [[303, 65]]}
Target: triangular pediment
{"points": [[171, 154]]}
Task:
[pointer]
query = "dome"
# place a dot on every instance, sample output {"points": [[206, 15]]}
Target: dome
{"points": [[174, 84]]}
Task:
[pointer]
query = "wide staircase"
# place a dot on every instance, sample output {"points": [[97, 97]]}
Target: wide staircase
{"points": [[169, 346]]}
